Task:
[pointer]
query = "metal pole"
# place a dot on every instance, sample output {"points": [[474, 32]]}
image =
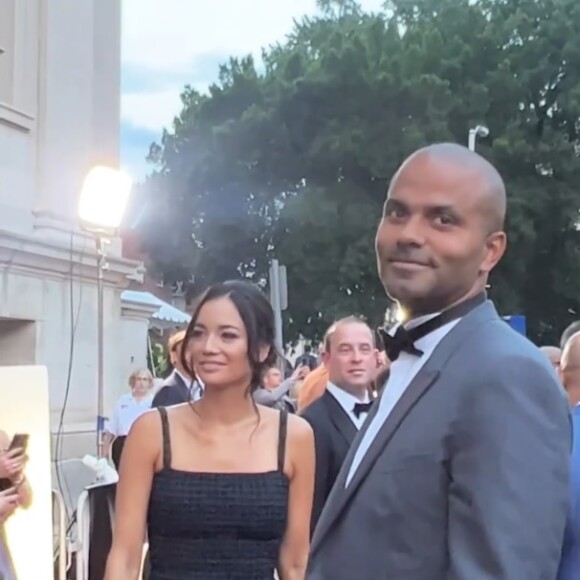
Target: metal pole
{"points": [[275, 299], [471, 139], [101, 265]]}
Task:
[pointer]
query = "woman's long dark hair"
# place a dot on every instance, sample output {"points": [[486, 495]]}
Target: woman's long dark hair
{"points": [[258, 317]]}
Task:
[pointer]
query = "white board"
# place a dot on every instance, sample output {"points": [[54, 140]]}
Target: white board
{"points": [[25, 409]]}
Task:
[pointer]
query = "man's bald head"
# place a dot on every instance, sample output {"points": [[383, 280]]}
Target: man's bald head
{"points": [[442, 228], [554, 354], [570, 368], [571, 353], [488, 184]]}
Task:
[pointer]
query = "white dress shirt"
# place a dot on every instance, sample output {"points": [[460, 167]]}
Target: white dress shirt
{"points": [[401, 373], [347, 402], [127, 411]]}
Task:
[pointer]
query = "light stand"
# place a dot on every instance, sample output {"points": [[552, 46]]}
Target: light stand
{"points": [[102, 202], [102, 265]]}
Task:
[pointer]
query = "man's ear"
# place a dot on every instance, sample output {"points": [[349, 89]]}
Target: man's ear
{"points": [[325, 356]]}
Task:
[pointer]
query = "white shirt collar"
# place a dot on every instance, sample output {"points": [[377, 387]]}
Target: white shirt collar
{"points": [[413, 323], [347, 400]]}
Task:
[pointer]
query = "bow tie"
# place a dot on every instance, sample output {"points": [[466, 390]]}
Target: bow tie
{"points": [[360, 408], [404, 339]]}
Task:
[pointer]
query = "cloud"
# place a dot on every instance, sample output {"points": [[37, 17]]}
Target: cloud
{"points": [[135, 146], [173, 32], [169, 44], [152, 111], [151, 100]]}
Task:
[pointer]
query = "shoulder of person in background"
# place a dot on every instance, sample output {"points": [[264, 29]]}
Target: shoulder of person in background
{"points": [[166, 396]]}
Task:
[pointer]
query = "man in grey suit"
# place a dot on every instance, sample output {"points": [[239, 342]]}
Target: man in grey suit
{"points": [[461, 470]]}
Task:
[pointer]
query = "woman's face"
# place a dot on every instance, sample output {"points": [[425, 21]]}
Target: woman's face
{"points": [[219, 345]]}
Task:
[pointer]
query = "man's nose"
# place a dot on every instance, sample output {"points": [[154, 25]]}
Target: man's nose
{"points": [[412, 232], [357, 355]]}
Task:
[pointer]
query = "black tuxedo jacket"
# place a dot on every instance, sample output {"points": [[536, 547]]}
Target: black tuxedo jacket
{"points": [[334, 431], [173, 392]]}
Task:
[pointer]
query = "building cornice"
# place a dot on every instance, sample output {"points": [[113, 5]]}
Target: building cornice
{"points": [[137, 310], [52, 258]]}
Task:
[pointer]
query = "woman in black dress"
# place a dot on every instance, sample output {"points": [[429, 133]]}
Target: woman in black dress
{"points": [[224, 486]]}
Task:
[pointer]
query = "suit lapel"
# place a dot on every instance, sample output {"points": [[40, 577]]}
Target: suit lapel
{"points": [[416, 389], [425, 378], [339, 418], [341, 493]]}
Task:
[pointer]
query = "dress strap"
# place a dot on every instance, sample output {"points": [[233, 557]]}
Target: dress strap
{"points": [[166, 437], [282, 439]]}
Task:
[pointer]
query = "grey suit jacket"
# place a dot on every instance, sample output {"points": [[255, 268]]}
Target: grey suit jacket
{"points": [[468, 479]]}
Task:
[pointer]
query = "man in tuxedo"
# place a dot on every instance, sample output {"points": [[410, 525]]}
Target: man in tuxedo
{"points": [[177, 387], [351, 359], [461, 470]]}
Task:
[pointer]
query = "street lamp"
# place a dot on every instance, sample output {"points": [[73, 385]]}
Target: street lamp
{"points": [[479, 131], [103, 199]]}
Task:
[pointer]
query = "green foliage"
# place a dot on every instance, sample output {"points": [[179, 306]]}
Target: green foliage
{"points": [[157, 360], [294, 161]]}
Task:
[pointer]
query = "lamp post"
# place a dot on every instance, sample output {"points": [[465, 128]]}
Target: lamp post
{"points": [[103, 199], [479, 131]]}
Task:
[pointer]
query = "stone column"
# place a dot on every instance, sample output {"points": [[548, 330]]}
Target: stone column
{"points": [[79, 106]]}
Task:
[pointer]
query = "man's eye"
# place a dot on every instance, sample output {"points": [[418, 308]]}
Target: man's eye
{"points": [[395, 212], [445, 220]]}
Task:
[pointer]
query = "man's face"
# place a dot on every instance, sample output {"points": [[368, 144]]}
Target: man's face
{"points": [[272, 378], [432, 243], [569, 371], [352, 358]]}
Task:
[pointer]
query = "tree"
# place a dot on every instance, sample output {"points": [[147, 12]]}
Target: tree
{"points": [[295, 161]]}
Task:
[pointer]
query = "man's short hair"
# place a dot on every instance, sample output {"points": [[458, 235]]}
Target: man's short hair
{"points": [[346, 320], [175, 340]]}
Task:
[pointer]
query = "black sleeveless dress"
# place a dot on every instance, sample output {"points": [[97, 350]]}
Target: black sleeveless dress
{"points": [[216, 526]]}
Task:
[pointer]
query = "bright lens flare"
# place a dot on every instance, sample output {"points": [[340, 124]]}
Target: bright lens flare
{"points": [[104, 197], [400, 314]]}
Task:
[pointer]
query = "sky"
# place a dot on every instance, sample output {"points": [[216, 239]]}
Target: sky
{"points": [[166, 45]]}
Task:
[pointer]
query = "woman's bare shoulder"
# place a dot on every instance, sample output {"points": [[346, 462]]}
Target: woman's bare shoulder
{"points": [[148, 423], [299, 430]]}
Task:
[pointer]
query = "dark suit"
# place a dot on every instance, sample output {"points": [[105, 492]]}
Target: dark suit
{"points": [[173, 392], [334, 432], [468, 476]]}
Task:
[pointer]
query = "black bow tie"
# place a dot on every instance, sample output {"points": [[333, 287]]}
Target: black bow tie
{"points": [[360, 408], [404, 339]]}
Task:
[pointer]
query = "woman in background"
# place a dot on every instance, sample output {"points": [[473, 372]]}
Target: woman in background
{"points": [[224, 486], [129, 408]]}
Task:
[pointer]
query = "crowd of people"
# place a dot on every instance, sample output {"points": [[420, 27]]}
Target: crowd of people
{"points": [[444, 452]]}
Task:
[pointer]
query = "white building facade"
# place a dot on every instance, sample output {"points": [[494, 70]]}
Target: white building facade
{"points": [[59, 116]]}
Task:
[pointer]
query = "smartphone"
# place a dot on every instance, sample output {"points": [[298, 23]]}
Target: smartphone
{"points": [[19, 441]]}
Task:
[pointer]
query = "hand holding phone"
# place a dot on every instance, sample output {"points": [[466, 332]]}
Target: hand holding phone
{"points": [[13, 461], [19, 441]]}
